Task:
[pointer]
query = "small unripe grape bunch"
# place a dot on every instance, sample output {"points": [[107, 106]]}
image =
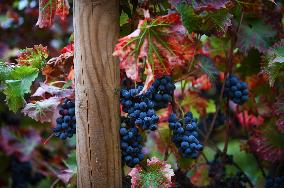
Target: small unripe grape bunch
{"points": [[185, 135], [161, 92], [66, 123], [130, 144], [236, 90]]}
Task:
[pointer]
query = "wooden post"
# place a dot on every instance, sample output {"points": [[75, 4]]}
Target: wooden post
{"points": [[96, 29]]}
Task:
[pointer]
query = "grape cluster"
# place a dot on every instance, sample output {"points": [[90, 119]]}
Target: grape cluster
{"points": [[217, 173], [22, 174], [161, 92], [236, 90], [140, 108], [185, 135], [66, 123], [274, 182], [130, 144], [239, 180]]}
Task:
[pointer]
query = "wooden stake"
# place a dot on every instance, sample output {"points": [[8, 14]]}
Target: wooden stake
{"points": [[96, 29]]}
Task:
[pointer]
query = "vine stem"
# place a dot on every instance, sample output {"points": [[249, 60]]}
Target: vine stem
{"points": [[48, 138], [229, 71], [54, 183]]}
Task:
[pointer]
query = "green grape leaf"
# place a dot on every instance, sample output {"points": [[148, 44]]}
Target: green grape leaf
{"points": [[206, 23], [254, 34], [123, 19], [5, 71], [204, 5], [190, 20], [207, 66], [14, 95], [274, 62], [26, 75], [21, 79]]}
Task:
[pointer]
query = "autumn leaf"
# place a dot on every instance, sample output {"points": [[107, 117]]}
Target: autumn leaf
{"points": [[53, 91], [162, 42], [62, 9], [21, 146], [278, 109], [268, 144], [34, 57], [47, 9], [59, 68], [193, 101], [43, 110], [71, 170], [254, 34]]}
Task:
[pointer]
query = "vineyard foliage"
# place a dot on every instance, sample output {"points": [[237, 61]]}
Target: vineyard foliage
{"points": [[201, 93]]}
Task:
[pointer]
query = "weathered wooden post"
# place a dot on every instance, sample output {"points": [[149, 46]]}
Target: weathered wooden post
{"points": [[96, 29]]}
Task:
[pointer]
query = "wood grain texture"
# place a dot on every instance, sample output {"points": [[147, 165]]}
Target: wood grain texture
{"points": [[96, 28]]}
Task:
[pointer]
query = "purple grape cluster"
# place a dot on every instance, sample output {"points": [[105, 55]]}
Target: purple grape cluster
{"points": [[140, 108], [66, 123], [274, 182], [185, 135], [130, 144], [22, 175], [161, 92], [236, 90]]}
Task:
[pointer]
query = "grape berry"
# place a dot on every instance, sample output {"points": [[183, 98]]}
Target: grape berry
{"points": [[185, 135], [236, 90], [66, 124], [161, 92]]}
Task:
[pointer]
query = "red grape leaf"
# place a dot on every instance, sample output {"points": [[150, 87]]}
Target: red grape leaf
{"points": [[62, 9], [43, 110], [267, 147], [279, 113], [34, 57], [162, 42], [47, 9], [61, 66], [22, 145]]}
